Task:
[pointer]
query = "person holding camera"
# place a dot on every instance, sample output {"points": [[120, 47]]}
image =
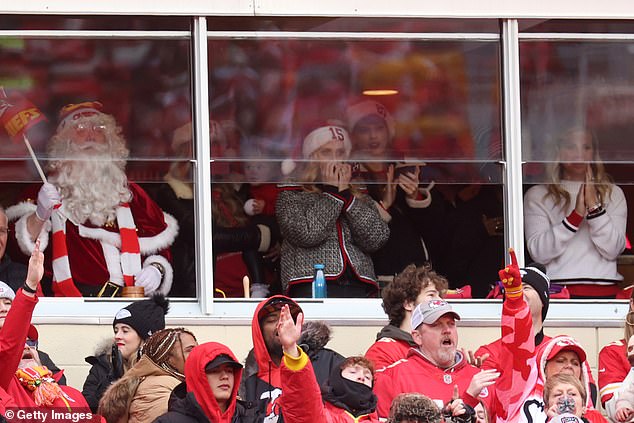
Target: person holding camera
{"points": [[394, 186], [564, 395]]}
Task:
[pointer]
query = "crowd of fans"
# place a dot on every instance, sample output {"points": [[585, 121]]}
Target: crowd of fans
{"points": [[89, 231], [414, 372]]}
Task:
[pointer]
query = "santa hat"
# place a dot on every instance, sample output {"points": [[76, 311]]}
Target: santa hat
{"points": [[367, 108], [74, 112], [316, 139]]}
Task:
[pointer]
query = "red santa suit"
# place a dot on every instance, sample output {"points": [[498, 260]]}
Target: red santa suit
{"points": [[94, 253], [418, 374]]}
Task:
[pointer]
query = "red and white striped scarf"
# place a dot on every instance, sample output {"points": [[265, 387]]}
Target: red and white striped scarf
{"points": [[122, 272]]}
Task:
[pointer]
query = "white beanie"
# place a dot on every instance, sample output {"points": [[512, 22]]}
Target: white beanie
{"points": [[358, 111], [6, 291], [316, 139]]}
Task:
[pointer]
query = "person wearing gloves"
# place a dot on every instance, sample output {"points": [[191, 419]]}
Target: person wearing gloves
{"points": [[519, 391], [326, 220], [212, 376], [132, 326], [394, 186], [100, 232]]}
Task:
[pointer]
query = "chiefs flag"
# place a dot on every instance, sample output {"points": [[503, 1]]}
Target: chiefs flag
{"points": [[17, 114]]}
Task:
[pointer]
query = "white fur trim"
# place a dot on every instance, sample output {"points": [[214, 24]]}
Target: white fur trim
{"points": [[19, 210], [426, 201], [288, 166], [168, 279], [249, 206], [23, 237], [148, 245], [265, 238]]}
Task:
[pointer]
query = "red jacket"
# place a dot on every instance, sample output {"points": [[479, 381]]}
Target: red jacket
{"points": [[302, 402], [613, 367], [12, 338], [393, 346], [417, 374]]}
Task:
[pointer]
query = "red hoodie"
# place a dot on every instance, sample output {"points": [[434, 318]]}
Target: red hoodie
{"points": [[196, 380]]}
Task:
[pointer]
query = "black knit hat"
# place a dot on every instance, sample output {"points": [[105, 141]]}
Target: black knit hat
{"points": [[145, 317], [535, 275]]}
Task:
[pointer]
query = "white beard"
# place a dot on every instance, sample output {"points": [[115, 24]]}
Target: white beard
{"points": [[92, 184]]}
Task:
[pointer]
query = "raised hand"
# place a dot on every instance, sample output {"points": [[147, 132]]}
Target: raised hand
{"points": [[590, 190], [47, 198], [329, 173], [36, 267], [344, 171], [288, 331], [473, 359], [580, 203], [511, 277], [390, 189]]}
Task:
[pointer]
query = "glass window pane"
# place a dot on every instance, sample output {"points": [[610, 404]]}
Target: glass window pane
{"points": [[99, 156], [285, 108], [576, 132], [576, 25], [113, 23]]}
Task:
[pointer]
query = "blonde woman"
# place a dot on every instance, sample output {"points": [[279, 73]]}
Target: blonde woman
{"points": [[325, 220], [575, 225]]}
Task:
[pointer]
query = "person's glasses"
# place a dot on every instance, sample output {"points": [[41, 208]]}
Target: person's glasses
{"points": [[31, 343], [4, 231], [83, 128]]}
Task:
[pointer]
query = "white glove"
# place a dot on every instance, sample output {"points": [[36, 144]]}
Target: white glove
{"points": [[259, 290], [149, 278], [47, 198]]}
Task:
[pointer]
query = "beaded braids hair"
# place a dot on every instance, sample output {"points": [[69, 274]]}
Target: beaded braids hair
{"points": [[162, 345]]}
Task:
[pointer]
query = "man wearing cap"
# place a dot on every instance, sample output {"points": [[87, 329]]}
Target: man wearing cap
{"points": [[11, 272], [409, 288], [436, 367], [105, 232]]}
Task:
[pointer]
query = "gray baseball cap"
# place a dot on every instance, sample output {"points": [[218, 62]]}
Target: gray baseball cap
{"points": [[430, 311], [6, 291]]}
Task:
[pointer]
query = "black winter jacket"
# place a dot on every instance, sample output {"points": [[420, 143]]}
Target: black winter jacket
{"points": [[187, 410], [100, 377]]}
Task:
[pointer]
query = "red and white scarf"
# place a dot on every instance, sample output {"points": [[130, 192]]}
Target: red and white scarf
{"points": [[121, 271]]}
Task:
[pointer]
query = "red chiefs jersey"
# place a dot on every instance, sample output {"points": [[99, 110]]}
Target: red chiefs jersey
{"points": [[417, 374], [613, 367], [387, 351]]}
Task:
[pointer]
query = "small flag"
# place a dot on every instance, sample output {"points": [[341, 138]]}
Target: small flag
{"points": [[17, 114]]}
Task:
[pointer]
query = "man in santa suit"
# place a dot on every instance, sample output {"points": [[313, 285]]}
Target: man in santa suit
{"points": [[100, 231]]}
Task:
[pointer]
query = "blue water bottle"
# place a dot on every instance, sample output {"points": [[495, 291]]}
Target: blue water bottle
{"points": [[319, 282]]}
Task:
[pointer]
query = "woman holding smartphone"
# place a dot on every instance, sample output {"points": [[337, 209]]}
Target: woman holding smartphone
{"points": [[575, 225]]}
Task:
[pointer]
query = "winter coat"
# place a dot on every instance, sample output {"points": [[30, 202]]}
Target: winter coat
{"points": [[302, 400], [336, 229], [12, 338], [100, 376], [200, 405], [187, 410], [392, 344], [261, 375], [12, 273], [141, 395]]}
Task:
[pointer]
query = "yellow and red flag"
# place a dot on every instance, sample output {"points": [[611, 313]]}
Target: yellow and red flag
{"points": [[17, 114]]}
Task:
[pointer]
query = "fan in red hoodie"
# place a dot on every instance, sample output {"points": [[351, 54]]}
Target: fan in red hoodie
{"points": [[212, 375]]}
